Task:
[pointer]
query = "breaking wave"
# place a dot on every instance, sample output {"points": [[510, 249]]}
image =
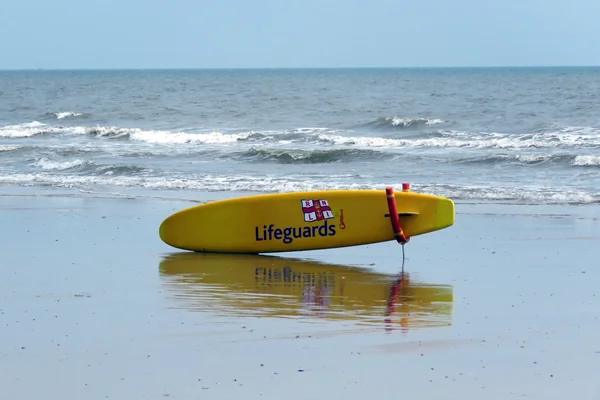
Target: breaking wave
{"points": [[36, 128], [67, 114], [532, 159], [480, 140], [48, 164], [161, 137], [562, 138], [88, 167], [63, 115], [522, 195], [30, 129], [297, 156], [587, 161], [213, 137], [402, 123], [240, 183], [10, 148]]}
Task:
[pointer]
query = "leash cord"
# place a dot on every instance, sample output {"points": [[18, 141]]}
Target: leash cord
{"points": [[403, 257]]}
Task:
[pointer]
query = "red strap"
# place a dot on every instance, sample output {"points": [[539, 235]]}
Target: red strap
{"points": [[391, 200]]}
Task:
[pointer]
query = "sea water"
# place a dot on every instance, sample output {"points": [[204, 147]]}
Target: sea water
{"points": [[524, 135]]}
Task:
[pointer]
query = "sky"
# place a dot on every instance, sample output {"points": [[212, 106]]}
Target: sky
{"points": [[69, 34]]}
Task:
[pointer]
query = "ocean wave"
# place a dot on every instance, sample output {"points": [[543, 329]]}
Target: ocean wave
{"points": [[297, 156], [481, 140], [522, 195], [67, 114], [161, 136], [71, 150], [402, 123], [63, 115], [304, 135], [9, 147], [530, 159], [587, 161], [270, 184], [121, 170], [36, 128], [88, 167], [215, 137], [570, 137], [30, 129], [49, 164]]}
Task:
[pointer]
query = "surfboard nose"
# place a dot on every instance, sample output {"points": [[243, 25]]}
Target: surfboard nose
{"points": [[170, 231], [445, 213], [163, 231]]}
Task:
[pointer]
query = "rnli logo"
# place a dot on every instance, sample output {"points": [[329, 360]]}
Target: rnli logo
{"points": [[316, 210]]}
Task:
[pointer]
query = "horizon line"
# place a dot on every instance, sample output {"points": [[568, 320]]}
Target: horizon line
{"points": [[292, 68]]}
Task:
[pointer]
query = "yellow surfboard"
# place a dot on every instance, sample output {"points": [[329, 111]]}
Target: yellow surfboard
{"points": [[303, 221], [271, 286]]}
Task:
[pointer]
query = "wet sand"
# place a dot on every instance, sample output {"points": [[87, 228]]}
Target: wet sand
{"points": [[93, 305]]}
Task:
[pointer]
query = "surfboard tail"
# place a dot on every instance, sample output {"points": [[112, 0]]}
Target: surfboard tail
{"points": [[445, 213]]}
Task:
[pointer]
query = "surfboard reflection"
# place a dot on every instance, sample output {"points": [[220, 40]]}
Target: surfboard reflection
{"points": [[271, 286]]}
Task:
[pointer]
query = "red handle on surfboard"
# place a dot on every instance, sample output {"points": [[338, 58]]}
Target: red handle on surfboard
{"points": [[391, 200]]}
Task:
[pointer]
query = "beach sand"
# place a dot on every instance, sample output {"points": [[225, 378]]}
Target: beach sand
{"points": [[94, 306]]}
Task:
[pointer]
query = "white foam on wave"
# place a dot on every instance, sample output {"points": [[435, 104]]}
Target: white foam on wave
{"points": [[587, 161], [160, 136], [48, 164], [576, 130], [22, 130], [406, 122], [305, 130], [533, 158], [67, 114], [137, 134], [181, 138], [10, 148], [525, 195], [565, 137], [458, 139], [207, 183], [29, 129]]}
